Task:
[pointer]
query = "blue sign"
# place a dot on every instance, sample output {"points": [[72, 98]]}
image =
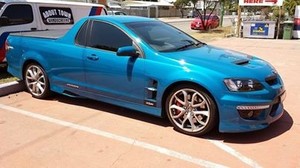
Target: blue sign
{"points": [[259, 29]]}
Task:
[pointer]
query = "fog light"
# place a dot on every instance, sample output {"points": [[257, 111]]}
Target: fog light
{"points": [[251, 112]]}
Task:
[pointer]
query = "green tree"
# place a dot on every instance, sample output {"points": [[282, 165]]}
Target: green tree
{"points": [[290, 5], [231, 5], [180, 4]]}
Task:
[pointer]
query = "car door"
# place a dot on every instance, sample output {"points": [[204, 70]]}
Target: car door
{"points": [[109, 75], [216, 21]]}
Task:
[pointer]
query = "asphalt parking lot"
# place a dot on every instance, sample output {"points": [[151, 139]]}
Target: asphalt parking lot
{"points": [[67, 132]]}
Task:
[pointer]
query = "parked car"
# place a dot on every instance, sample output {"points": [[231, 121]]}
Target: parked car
{"points": [[29, 15], [116, 13], [149, 66], [192, 14], [212, 22]]}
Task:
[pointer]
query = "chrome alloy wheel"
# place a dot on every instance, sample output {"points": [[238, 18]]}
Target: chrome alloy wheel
{"points": [[35, 80], [189, 110]]}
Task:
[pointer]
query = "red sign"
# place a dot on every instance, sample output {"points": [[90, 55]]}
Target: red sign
{"points": [[260, 2], [274, 1], [253, 1]]}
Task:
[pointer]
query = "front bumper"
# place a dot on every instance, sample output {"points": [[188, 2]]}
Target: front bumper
{"points": [[196, 26], [262, 112]]}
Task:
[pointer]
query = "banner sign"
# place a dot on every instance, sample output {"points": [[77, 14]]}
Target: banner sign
{"points": [[296, 31], [259, 29], [56, 15], [260, 2]]}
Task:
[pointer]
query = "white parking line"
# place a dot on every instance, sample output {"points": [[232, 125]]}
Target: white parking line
{"points": [[130, 141], [235, 154]]}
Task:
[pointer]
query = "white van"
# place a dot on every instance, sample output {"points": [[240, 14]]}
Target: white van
{"points": [[32, 15]]}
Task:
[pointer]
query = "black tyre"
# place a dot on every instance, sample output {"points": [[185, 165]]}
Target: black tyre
{"points": [[36, 81], [191, 110]]}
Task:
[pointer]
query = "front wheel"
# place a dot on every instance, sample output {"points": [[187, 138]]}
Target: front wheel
{"points": [[36, 81], [191, 110]]}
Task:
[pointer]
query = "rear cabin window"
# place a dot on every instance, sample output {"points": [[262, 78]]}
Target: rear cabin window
{"points": [[18, 14], [81, 35], [107, 37], [215, 18]]}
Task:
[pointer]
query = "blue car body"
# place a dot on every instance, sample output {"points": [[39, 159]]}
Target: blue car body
{"points": [[143, 83]]}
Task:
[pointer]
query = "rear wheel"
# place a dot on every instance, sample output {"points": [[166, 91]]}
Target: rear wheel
{"points": [[36, 81], [191, 110]]}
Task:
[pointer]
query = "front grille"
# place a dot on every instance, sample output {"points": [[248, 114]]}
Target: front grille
{"points": [[272, 80]]}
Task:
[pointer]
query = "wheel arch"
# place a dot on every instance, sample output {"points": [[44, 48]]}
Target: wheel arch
{"points": [[33, 57], [173, 85]]}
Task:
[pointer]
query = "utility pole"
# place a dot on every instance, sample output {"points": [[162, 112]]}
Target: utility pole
{"points": [[239, 21], [278, 24]]}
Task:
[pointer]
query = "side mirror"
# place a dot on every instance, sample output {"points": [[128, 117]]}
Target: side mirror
{"points": [[4, 21], [127, 51]]}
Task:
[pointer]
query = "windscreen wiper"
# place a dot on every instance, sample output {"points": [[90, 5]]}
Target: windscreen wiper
{"points": [[200, 43], [191, 44], [185, 46]]}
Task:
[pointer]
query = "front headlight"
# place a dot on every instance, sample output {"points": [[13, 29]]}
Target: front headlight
{"points": [[243, 85]]}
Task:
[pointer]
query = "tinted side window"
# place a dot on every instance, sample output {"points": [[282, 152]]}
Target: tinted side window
{"points": [[107, 37], [81, 35], [18, 14], [120, 13]]}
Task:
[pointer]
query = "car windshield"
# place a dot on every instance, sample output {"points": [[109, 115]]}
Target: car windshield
{"points": [[163, 37], [206, 17]]}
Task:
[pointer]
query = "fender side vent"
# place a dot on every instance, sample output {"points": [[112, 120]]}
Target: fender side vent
{"points": [[151, 93]]}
